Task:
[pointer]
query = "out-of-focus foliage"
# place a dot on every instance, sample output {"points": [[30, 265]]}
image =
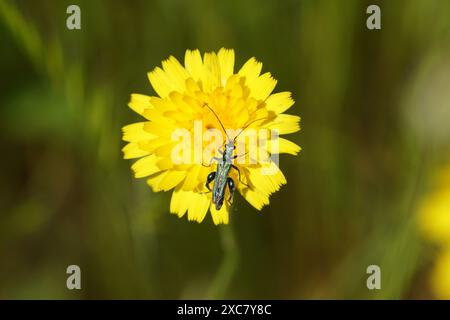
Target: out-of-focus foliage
{"points": [[373, 106]]}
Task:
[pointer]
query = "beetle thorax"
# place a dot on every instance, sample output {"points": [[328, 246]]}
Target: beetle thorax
{"points": [[228, 154]]}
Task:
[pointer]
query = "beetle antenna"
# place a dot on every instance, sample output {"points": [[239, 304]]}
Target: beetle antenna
{"points": [[262, 102], [218, 120], [248, 125]]}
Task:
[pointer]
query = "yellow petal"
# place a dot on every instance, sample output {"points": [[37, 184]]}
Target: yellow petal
{"points": [[166, 150], [266, 179], [132, 150], [257, 199], [145, 166], [158, 116], [136, 132], [211, 76], [285, 124], [176, 73], [282, 145], [191, 86], [194, 64], [262, 86], [151, 145], [155, 180], [279, 102], [139, 102], [191, 180], [198, 207], [164, 163], [180, 201], [186, 106], [157, 129], [162, 104], [171, 179], [250, 70], [160, 82], [226, 61], [221, 216]]}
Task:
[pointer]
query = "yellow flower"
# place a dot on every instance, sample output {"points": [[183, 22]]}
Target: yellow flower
{"points": [[201, 95], [435, 216], [434, 222], [434, 213], [440, 279]]}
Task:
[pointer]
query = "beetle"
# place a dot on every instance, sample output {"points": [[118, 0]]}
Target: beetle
{"points": [[224, 165]]}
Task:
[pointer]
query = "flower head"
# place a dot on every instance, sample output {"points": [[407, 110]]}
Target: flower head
{"points": [[434, 213], [434, 222], [440, 278], [211, 124]]}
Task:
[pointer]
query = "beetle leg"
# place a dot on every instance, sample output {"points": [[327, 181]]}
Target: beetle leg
{"points": [[210, 161], [240, 155], [209, 179], [237, 169], [243, 155], [239, 175]]}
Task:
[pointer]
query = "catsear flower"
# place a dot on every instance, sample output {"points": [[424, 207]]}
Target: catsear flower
{"points": [[203, 96], [434, 222]]}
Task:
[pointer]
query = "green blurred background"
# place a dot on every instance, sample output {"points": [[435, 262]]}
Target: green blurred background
{"points": [[375, 124]]}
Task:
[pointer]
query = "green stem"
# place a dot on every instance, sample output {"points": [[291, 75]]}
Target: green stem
{"points": [[227, 268]]}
